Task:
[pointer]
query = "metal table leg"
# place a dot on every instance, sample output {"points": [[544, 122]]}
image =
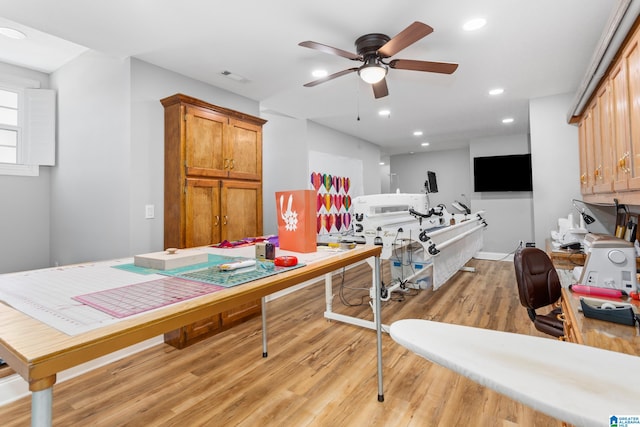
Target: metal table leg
{"points": [[264, 326], [378, 321], [41, 407]]}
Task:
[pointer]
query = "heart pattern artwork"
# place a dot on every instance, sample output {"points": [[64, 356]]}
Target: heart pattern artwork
{"points": [[333, 202]]}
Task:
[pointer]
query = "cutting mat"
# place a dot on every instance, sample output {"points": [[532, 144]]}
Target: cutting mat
{"points": [[140, 297], [229, 278]]}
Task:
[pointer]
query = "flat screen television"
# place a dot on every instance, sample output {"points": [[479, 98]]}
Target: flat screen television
{"points": [[502, 173], [431, 184]]}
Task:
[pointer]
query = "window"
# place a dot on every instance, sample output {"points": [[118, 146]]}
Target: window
{"points": [[9, 129], [27, 130]]}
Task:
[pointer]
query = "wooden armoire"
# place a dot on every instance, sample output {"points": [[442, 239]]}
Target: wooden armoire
{"points": [[212, 189]]}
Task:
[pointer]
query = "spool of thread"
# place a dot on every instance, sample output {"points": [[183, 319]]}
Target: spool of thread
{"points": [[594, 290]]}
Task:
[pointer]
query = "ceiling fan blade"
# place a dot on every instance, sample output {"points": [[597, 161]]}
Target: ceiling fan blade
{"points": [[406, 37], [432, 67], [331, 77], [330, 50], [380, 89]]}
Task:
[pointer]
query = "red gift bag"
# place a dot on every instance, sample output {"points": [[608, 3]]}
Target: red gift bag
{"points": [[296, 211]]}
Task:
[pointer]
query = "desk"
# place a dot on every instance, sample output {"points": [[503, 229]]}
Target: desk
{"points": [[564, 258], [37, 352], [569, 258], [598, 333]]}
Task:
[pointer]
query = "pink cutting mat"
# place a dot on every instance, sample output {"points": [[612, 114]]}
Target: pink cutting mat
{"points": [[140, 297]]}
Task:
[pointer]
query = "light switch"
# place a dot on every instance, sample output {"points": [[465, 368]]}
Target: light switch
{"points": [[149, 211]]}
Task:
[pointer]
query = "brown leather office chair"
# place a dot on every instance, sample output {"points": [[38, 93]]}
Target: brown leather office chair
{"points": [[539, 286]]}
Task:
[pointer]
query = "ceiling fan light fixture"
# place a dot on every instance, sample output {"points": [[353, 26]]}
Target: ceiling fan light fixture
{"points": [[372, 71]]}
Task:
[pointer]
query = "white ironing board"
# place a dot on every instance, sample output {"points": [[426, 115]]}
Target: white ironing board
{"points": [[578, 384]]}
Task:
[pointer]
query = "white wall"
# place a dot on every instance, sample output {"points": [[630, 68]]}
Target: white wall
{"points": [[285, 160], [24, 202], [111, 155], [90, 183], [509, 214], [286, 148], [150, 84], [409, 172], [111, 164], [385, 178], [326, 140], [555, 163]]}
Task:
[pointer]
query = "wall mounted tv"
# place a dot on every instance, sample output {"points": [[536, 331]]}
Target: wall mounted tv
{"points": [[502, 173]]}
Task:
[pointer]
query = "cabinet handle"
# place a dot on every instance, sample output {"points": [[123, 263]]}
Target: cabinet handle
{"points": [[226, 164], [583, 178], [224, 222], [561, 317], [217, 220], [622, 163], [231, 164], [597, 173]]}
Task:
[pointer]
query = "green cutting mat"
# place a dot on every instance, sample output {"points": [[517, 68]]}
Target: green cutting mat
{"points": [[208, 272]]}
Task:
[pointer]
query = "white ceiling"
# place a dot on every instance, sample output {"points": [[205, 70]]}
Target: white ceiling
{"points": [[530, 48]]}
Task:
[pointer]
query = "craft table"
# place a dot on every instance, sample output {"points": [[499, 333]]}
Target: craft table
{"points": [[37, 351], [578, 384]]}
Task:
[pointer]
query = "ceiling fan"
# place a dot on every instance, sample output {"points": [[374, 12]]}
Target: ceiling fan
{"points": [[374, 49]]}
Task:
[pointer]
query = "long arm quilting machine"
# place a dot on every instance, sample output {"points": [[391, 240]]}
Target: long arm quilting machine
{"points": [[414, 234], [395, 221]]}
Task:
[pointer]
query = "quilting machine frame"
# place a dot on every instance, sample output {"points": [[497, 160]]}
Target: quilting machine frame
{"points": [[401, 222]]}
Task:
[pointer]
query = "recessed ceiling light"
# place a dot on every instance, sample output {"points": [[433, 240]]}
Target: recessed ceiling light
{"points": [[507, 120], [381, 163], [496, 91], [384, 113], [417, 133], [12, 33], [425, 144], [474, 24], [319, 73]]}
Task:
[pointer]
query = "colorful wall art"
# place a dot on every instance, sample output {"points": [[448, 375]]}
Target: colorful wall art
{"points": [[333, 202], [336, 181]]}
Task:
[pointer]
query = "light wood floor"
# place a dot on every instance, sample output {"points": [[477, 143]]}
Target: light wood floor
{"points": [[318, 373]]}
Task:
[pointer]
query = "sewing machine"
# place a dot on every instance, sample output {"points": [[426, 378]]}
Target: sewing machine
{"points": [[569, 231], [398, 221], [610, 263]]}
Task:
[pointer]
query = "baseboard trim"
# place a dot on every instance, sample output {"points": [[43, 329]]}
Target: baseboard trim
{"points": [[494, 256]]}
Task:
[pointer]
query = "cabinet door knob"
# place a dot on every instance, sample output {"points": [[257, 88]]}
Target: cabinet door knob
{"points": [[622, 163], [226, 164], [598, 173]]}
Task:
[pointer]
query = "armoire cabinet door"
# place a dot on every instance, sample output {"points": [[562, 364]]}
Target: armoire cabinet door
{"points": [[202, 212], [205, 134], [241, 207], [244, 149]]}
